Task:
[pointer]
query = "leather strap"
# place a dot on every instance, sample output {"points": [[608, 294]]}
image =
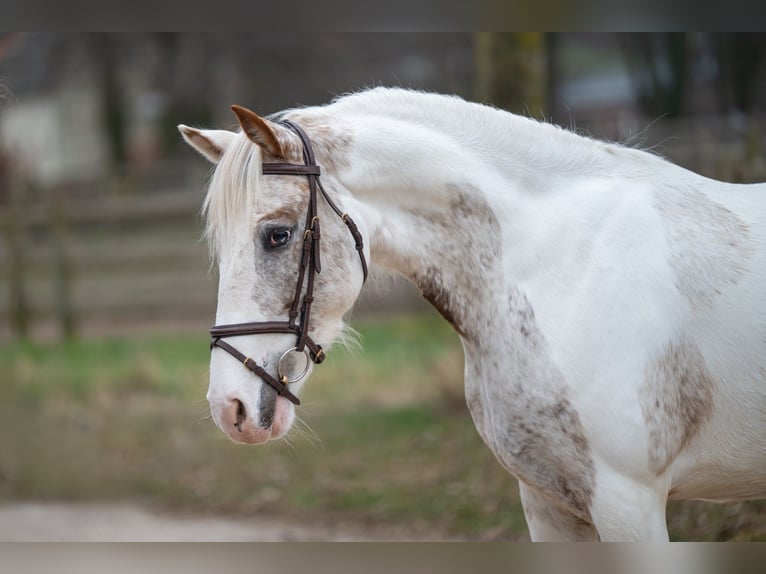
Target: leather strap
{"points": [[265, 327], [290, 169], [278, 386]]}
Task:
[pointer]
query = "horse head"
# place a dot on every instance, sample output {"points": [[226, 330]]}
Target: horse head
{"points": [[280, 303]]}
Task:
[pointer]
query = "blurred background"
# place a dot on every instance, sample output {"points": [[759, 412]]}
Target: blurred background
{"points": [[106, 292]]}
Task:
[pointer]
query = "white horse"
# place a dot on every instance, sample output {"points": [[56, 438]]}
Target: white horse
{"points": [[611, 305]]}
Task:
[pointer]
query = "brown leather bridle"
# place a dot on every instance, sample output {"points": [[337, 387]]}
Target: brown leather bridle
{"points": [[309, 261]]}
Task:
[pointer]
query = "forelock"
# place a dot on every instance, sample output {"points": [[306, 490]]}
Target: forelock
{"points": [[231, 192]]}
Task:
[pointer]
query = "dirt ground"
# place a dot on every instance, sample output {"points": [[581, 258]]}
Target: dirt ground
{"points": [[62, 522]]}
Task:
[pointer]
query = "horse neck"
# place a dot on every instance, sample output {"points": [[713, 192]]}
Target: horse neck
{"points": [[446, 215], [471, 202]]}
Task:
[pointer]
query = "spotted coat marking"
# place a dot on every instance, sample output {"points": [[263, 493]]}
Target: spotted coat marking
{"points": [[709, 245], [456, 237], [528, 421], [538, 507], [676, 398], [541, 439], [331, 143]]}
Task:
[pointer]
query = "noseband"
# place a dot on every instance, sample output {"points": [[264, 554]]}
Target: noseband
{"points": [[310, 264]]}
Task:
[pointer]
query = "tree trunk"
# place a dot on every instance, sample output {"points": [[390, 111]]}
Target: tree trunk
{"points": [[62, 267], [11, 197]]}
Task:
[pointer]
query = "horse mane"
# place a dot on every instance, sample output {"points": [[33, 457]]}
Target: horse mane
{"points": [[482, 126], [233, 185]]}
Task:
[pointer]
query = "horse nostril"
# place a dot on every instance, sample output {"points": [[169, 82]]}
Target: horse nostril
{"points": [[241, 414]]}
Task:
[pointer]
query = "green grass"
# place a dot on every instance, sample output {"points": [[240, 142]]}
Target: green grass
{"points": [[392, 445], [125, 419]]}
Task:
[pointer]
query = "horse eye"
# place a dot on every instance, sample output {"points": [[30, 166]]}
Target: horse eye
{"points": [[279, 237]]}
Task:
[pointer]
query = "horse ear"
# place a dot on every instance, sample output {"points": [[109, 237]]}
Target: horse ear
{"points": [[210, 143], [260, 131]]}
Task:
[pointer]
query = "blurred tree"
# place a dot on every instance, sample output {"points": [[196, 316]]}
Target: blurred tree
{"points": [[510, 70], [62, 267], [552, 73], [12, 225], [185, 78], [658, 66], [11, 222], [740, 58], [104, 49]]}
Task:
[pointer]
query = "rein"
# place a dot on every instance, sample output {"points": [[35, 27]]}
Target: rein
{"points": [[310, 264]]}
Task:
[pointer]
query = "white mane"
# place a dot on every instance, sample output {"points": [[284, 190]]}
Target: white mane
{"points": [[492, 130], [231, 190]]}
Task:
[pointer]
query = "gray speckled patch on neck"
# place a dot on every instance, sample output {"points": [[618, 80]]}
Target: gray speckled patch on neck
{"points": [[465, 237], [514, 391]]}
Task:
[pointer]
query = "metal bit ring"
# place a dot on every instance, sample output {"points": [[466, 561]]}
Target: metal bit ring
{"points": [[284, 378]]}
